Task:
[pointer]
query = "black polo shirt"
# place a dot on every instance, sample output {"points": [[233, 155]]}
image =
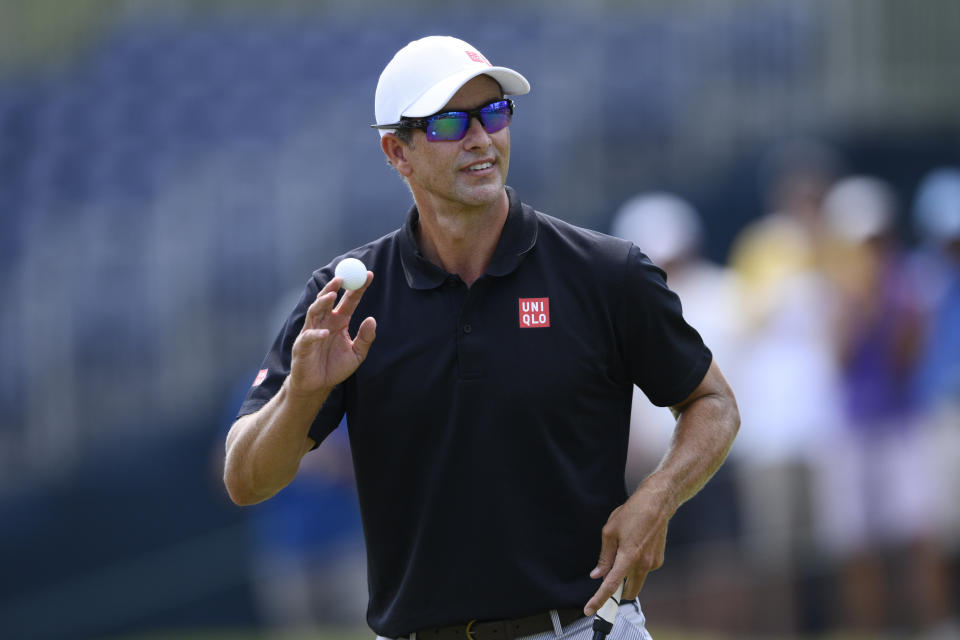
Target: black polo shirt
{"points": [[489, 424]]}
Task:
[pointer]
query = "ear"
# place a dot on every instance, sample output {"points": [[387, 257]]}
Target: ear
{"points": [[397, 153]]}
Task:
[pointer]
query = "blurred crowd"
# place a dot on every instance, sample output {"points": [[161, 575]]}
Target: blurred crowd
{"points": [[837, 322]]}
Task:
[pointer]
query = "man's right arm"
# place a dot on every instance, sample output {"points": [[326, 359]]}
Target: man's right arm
{"points": [[264, 448]]}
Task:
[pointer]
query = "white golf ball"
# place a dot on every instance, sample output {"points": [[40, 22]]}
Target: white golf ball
{"points": [[353, 272]]}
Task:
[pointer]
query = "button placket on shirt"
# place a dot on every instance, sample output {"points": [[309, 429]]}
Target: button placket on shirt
{"points": [[469, 352]]}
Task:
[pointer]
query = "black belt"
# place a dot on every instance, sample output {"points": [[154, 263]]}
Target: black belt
{"points": [[500, 629]]}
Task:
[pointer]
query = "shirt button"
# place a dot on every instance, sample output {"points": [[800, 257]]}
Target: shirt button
{"points": [[467, 328]]}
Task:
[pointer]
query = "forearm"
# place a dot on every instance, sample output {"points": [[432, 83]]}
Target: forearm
{"points": [[706, 428], [264, 448], [635, 535]]}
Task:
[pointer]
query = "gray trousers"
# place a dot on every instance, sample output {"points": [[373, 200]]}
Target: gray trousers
{"points": [[629, 625]]}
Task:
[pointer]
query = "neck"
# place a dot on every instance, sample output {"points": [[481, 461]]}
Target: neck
{"points": [[462, 240]]}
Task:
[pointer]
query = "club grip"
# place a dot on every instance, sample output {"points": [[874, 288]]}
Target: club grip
{"points": [[603, 621]]}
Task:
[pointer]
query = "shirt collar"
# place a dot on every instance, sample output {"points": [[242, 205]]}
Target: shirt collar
{"points": [[517, 238]]}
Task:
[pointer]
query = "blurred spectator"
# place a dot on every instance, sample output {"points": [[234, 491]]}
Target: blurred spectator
{"points": [[937, 217], [786, 243], [937, 214], [669, 231], [786, 380], [306, 554], [874, 482], [306, 558], [709, 588]]}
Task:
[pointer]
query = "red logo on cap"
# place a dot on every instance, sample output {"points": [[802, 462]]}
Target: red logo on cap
{"points": [[534, 312], [476, 57]]}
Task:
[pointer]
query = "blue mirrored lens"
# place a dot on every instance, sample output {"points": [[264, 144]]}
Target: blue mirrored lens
{"points": [[496, 116], [453, 125], [448, 126]]}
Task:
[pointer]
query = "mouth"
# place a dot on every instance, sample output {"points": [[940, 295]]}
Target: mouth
{"points": [[479, 167]]}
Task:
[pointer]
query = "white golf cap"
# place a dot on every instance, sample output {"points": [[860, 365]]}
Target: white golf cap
{"points": [[424, 75]]}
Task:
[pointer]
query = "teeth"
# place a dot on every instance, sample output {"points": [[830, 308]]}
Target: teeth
{"points": [[481, 166]]}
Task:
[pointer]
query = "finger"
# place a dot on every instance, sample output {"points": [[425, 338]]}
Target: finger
{"points": [[608, 553], [365, 336], [333, 285], [634, 584], [609, 586], [319, 309], [307, 339], [350, 299], [305, 343]]}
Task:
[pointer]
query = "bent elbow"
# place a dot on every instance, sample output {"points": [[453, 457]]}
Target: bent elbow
{"points": [[240, 497], [236, 493], [733, 417], [241, 493], [244, 497]]}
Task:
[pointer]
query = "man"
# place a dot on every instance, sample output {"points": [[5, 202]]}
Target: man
{"points": [[489, 425]]}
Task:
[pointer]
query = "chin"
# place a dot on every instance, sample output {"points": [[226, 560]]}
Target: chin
{"points": [[482, 194]]}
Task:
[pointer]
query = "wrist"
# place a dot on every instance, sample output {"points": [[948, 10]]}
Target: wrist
{"points": [[663, 491], [306, 399]]}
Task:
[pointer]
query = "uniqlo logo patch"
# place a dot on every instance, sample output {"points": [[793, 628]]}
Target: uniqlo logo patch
{"points": [[476, 57], [261, 376], [534, 313]]}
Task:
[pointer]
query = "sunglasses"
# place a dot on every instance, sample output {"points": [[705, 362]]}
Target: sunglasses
{"points": [[453, 125]]}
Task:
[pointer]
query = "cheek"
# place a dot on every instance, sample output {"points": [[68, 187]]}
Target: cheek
{"points": [[503, 147], [426, 162], [502, 140]]}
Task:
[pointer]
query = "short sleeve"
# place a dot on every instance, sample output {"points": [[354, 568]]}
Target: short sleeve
{"points": [[665, 356], [276, 367]]}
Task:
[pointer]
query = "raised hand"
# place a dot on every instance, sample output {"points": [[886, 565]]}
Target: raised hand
{"points": [[324, 354]]}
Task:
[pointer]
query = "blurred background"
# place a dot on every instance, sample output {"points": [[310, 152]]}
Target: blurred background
{"points": [[172, 172]]}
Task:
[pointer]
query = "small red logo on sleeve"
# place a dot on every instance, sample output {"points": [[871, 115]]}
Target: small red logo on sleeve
{"points": [[477, 57], [534, 312], [261, 376]]}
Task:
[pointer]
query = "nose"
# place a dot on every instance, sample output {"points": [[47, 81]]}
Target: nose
{"points": [[476, 136]]}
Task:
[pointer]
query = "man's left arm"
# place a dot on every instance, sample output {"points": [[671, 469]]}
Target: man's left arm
{"points": [[635, 535]]}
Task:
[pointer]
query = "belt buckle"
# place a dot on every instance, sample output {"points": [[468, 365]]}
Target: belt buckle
{"points": [[467, 630]]}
